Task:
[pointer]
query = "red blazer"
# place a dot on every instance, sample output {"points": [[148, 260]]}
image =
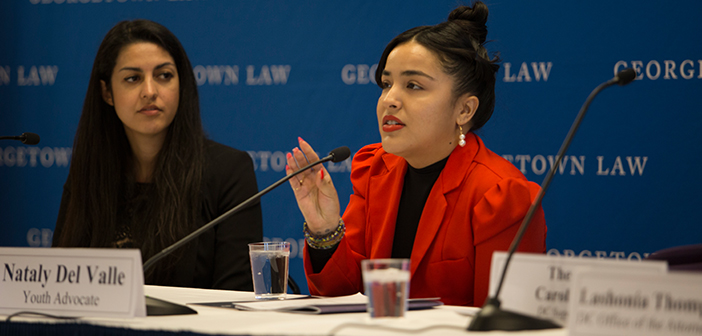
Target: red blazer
{"points": [[474, 208]]}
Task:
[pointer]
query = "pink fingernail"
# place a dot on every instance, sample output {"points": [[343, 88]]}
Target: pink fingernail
{"points": [[288, 155], [322, 174]]}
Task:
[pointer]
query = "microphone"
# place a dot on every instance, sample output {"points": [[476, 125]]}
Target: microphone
{"points": [[26, 138], [491, 317], [625, 76], [336, 155]]}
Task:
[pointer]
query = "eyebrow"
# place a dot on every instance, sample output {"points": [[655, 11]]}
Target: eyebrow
{"points": [[410, 73], [140, 70]]}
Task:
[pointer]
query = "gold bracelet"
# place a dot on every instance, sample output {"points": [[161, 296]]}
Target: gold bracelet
{"points": [[327, 241]]}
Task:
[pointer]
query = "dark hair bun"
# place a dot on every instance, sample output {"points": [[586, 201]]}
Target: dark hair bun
{"points": [[474, 18]]}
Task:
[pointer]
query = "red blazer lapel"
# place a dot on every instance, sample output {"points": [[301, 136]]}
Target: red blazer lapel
{"points": [[384, 192], [432, 216], [434, 213]]}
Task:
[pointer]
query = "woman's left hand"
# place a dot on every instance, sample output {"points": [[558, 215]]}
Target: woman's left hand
{"points": [[314, 190]]}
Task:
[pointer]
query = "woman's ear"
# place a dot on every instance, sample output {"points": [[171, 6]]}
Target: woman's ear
{"points": [[106, 94], [467, 105]]}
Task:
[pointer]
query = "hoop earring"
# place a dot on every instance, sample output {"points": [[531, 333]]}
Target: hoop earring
{"points": [[462, 137]]}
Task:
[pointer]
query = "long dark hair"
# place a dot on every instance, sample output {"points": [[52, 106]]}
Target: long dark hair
{"points": [[102, 172], [459, 44]]}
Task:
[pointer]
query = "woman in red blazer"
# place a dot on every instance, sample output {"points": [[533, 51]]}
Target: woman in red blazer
{"points": [[430, 191]]}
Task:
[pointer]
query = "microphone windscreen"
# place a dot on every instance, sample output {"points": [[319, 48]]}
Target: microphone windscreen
{"points": [[30, 138], [626, 76], [340, 154]]}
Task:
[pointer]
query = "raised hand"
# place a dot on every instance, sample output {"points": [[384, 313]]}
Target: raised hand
{"points": [[314, 190]]}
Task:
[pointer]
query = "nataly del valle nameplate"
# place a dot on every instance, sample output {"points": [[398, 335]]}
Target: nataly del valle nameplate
{"points": [[76, 282]]}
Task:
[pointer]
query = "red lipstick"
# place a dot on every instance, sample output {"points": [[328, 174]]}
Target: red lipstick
{"points": [[392, 123]]}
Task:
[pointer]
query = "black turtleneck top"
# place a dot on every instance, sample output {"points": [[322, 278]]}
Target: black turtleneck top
{"points": [[415, 191]]}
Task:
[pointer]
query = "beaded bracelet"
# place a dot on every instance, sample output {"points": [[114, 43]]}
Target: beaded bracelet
{"points": [[327, 241]]}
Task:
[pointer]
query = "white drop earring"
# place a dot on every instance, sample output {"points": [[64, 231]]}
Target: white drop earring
{"points": [[462, 137]]}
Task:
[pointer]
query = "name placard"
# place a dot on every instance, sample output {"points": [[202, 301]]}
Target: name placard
{"points": [[72, 282], [539, 285], [612, 303]]}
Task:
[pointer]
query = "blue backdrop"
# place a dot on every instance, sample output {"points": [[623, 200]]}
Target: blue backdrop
{"points": [[270, 71]]}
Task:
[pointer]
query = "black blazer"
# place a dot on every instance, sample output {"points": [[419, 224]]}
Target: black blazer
{"points": [[219, 258]]}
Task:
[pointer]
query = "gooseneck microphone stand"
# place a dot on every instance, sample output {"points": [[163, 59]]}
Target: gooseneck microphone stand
{"points": [[337, 155], [157, 307], [491, 316]]}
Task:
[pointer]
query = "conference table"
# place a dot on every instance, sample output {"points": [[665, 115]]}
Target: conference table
{"points": [[441, 320]]}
